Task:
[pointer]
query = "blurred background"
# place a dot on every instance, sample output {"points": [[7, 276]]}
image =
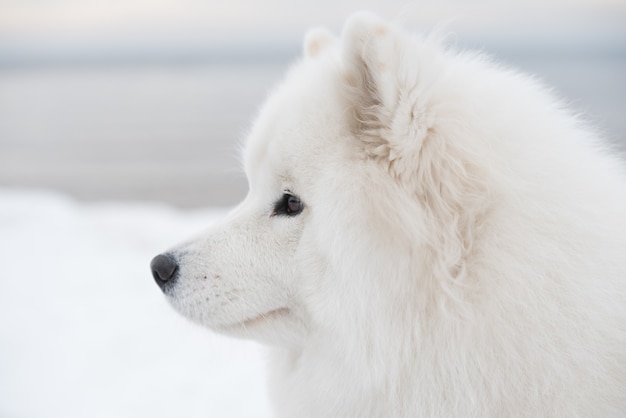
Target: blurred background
{"points": [[150, 100]]}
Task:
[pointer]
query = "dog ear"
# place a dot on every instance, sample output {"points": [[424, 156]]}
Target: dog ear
{"points": [[316, 41], [381, 75], [405, 117]]}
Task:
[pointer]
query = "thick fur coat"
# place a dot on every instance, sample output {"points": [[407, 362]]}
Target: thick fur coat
{"points": [[426, 234]]}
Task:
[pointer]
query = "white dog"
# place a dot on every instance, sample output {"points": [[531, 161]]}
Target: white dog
{"points": [[426, 234]]}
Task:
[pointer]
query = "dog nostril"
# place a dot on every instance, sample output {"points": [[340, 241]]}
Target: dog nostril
{"points": [[164, 269]]}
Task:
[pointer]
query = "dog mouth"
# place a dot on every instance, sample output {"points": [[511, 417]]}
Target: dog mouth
{"points": [[276, 327], [258, 320]]}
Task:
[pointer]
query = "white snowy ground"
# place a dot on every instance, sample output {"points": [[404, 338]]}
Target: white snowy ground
{"points": [[84, 330]]}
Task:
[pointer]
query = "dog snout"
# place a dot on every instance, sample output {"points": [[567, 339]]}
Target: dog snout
{"points": [[164, 269]]}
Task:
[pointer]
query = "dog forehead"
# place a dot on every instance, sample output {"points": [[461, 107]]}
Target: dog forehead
{"points": [[301, 117]]}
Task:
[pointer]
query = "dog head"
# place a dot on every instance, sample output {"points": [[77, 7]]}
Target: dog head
{"points": [[353, 188]]}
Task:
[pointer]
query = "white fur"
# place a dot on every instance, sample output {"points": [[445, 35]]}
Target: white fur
{"points": [[461, 253]]}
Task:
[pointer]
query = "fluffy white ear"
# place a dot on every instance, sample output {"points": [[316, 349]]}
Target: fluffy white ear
{"points": [[391, 115], [402, 117], [316, 41]]}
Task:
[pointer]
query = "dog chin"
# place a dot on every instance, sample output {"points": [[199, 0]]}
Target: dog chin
{"points": [[278, 327]]}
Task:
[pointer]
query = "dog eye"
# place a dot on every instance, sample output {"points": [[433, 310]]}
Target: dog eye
{"points": [[289, 205]]}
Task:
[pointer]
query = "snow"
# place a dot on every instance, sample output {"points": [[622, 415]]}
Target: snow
{"points": [[84, 330]]}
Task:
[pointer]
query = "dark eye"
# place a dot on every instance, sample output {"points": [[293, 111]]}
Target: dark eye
{"points": [[289, 205]]}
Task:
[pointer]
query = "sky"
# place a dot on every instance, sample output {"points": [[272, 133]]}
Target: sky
{"points": [[275, 20]]}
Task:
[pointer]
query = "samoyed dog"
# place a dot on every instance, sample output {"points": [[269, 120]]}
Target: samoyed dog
{"points": [[426, 234]]}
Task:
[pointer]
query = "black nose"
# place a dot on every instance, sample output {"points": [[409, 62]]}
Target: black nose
{"points": [[164, 269]]}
